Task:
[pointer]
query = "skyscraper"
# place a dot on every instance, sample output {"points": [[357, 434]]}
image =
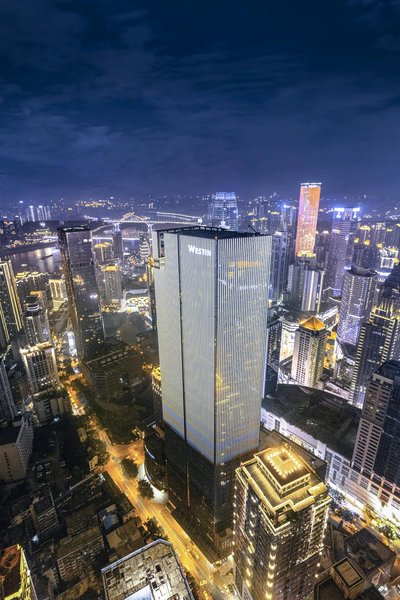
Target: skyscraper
{"points": [[341, 247], [307, 218], [357, 297], [309, 352], [223, 211], [117, 243], [211, 290], [58, 291], [112, 284], [83, 297], [40, 366], [36, 322], [377, 445], [7, 406], [279, 265], [379, 339], [9, 299], [280, 519]]}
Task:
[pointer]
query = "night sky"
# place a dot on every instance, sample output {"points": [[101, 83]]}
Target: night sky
{"points": [[123, 98]]}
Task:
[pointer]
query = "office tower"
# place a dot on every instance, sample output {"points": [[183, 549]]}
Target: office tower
{"points": [[309, 352], [379, 339], [40, 366], [341, 247], [36, 322], [83, 297], [365, 255], [322, 242], [274, 334], [151, 293], [144, 248], [7, 406], [15, 578], [313, 285], [16, 440], [223, 211], [279, 265], [31, 281], [40, 213], [151, 572], [58, 291], [31, 214], [103, 252], [280, 518], [50, 404], [357, 297], [9, 299], [112, 284], [211, 294], [117, 243], [307, 218], [288, 218], [377, 445]]}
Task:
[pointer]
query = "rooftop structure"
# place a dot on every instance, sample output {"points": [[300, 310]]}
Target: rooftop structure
{"points": [[151, 573]]}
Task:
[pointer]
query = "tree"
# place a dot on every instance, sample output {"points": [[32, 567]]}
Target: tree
{"points": [[145, 489], [130, 467]]}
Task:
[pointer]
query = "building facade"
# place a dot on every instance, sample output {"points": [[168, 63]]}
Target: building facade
{"points": [[83, 297], [357, 299], [280, 518], [341, 247], [211, 290], [309, 352], [41, 366], [307, 218], [223, 211]]}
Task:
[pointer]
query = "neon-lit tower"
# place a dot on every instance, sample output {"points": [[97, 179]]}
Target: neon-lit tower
{"points": [[307, 218]]}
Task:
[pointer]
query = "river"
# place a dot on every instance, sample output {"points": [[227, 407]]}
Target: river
{"points": [[45, 260]]}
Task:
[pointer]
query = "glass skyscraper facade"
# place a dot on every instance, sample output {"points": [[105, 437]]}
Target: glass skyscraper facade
{"points": [[83, 297], [211, 290], [341, 247], [223, 211]]}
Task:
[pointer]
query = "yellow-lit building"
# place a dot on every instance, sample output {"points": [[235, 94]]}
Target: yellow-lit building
{"points": [[307, 218], [15, 579]]}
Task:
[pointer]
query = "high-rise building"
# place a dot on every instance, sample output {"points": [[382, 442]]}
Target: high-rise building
{"points": [[15, 579], [16, 441], [377, 445], [211, 294], [58, 292], [83, 297], [307, 218], [357, 297], [280, 518], [7, 406], [223, 211], [117, 244], [312, 290], [279, 265], [9, 299], [103, 252], [41, 366], [341, 247], [151, 572], [379, 339], [112, 284], [309, 352], [365, 255], [28, 282], [274, 334], [36, 322]]}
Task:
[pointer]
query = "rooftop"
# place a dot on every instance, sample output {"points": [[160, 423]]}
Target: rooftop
{"points": [[282, 479], [212, 233], [151, 573], [367, 551], [313, 324], [10, 571]]}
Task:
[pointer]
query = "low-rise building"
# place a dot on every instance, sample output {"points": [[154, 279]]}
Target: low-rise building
{"points": [[15, 578], [76, 553]]}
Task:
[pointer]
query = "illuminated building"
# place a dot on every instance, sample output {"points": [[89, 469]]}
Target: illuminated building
{"points": [[307, 218], [144, 248], [288, 218], [280, 518], [151, 293], [58, 292], [103, 252], [211, 294], [28, 282], [9, 300], [223, 211], [309, 352], [279, 265], [41, 366], [77, 553], [49, 404], [377, 446], [157, 395], [289, 328], [357, 297], [7, 406], [379, 339], [83, 297], [36, 323], [151, 572], [16, 441], [15, 579], [112, 284], [365, 255], [274, 334], [341, 247], [117, 243], [305, 286]]}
